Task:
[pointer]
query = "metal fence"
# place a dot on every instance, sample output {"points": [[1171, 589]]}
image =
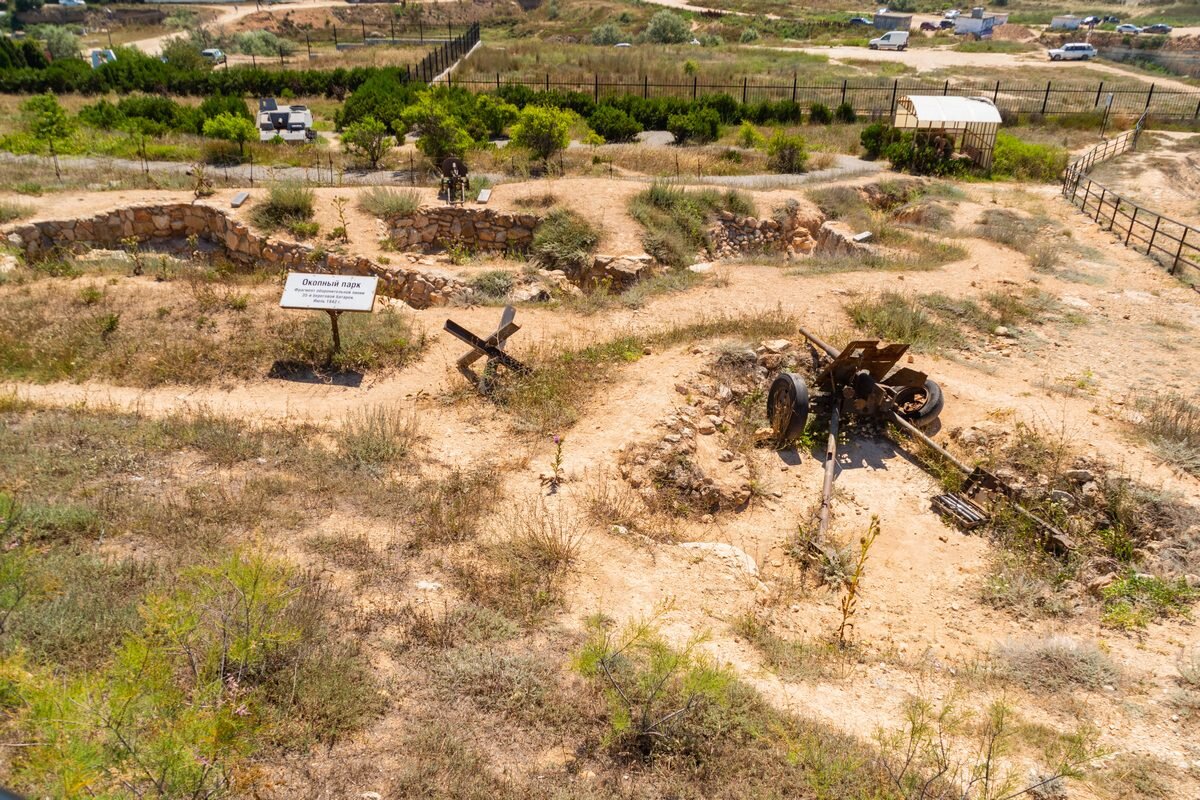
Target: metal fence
{"points": [[878, 97], [1172, 243]]}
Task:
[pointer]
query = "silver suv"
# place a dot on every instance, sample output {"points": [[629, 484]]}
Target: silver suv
{"points": [[1073, 52]]}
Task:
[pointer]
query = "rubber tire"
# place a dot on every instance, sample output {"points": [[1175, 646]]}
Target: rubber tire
{"points": [[788, 388], [928, 413]]}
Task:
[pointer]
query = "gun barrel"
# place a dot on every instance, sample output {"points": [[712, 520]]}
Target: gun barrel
{"points": [[830, 467], [819, 343]]}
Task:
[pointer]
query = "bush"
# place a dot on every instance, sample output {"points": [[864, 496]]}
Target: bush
{"points": [[386, 202], [845, 113], [368, 139], [494, 114], [925, 154], [614, 124], [819, 114], [787, 154], [1026, 161], [229, 128], [543, 131], [875, 138], [701, 125], [667, 27], [494, 285], [676, 221], [61, 43], [749, 35], [442, 134], [749, 137], [260, 43], [287, 203], [565, 240], [607, 34]]}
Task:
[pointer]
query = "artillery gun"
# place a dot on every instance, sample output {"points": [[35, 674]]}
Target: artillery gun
{"points": [[455, 182], [860, 382]]}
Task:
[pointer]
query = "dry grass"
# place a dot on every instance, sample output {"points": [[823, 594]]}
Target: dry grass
{"points": [[1057, 663], [1172, 423]]}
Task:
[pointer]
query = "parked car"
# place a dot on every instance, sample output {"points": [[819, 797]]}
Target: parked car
{"points": [[860, 21], [928, 26], [946, 25], [622, 44], [1092, 20], [1073, 51], [1127, 28], [953, 13], [214, 55], [72, 3], [892, 40], [1158, 27], [1111, 19]]}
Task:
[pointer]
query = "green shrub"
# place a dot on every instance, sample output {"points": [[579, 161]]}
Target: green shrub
{"points": [[667, 27], [676, 220], [607, 34], [749, 137], [786, 153], [493, 285], [564, 240], [845, 113], [542, 130], [749, 35], [1026, 161], [925, 155], [383, 201], [260, 43], [819, 114], [1136, 599], [700, 125], [288, 202], [614, 124], [875, 139], [900, 318]]}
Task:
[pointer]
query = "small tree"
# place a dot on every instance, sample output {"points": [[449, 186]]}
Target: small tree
{"points": [[607, 34], [47, 121], [495, 114], [542, 130], [60, 41], [667, 27], [787, 154], [182, 54], [441, 133], [232, 129], [368, 139]]}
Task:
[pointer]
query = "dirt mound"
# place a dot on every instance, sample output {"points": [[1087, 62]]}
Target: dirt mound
{"points": [[1013, 33]]}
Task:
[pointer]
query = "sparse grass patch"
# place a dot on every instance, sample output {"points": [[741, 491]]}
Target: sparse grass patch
{"points": [[383, 201], [1136, 599], [287, 204], [377, 437], [603, 298], [676, 220], [1057, 663], [564, 240], [11, 212], [900, 318], [451, 508], [492, 286], [440, 628], [790, 659], [1172, 423]]}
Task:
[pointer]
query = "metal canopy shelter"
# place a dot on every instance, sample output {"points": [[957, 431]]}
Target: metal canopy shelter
{"points": [[970, 122]]}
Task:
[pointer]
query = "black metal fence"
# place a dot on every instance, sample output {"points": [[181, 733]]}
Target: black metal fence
{"points": [[879, 97], [1172, 243], [446, 55]]}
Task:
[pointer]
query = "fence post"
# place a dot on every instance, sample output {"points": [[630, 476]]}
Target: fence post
{"points": [[308, 44], [547, 81], [1153, 233], [946, 88], [1046, 98], [252, 170], [745, 83], [281, 55], [364, 29], [1149, 96], [1100, 204], [1099, 89], [794, 77], [335, 41], [843, 91], [1132, 220], [1179, 252], [497, 81], [645, 86], [996, 93], [393, 30], [595, 87], [895, 89], [695, 85]]}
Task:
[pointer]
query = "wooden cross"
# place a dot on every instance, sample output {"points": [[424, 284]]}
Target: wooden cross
{"points": [[492, 347]]}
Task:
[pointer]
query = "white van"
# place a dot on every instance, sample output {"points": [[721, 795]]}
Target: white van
{"points": [[892, 40]]}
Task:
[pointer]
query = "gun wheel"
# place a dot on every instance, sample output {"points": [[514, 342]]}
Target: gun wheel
{"points": [[787, 407]]}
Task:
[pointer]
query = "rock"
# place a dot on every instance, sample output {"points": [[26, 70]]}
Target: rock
{"points": [[371, 796], [705, 427], [679, 387], [1090, 490], [1192, 580], [1079, 476], [1000, 330], [777, 345], [8, 263], [724, 394], [702, 267], [1097, 584], [763, 436], [725, 456], [428, 586], [1063, 498], [770, 361], [531, 293]]}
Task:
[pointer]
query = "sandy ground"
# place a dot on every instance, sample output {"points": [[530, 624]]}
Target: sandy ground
{"points": [[1163, 175], [921, 617]]}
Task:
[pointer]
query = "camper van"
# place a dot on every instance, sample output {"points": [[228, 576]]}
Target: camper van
{"points": [[290, 123], [892, 40]]}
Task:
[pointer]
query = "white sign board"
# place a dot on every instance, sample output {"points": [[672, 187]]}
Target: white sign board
{"points": [[329, 292]]}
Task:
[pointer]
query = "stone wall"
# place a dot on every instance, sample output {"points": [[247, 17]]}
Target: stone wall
{"points": [[792, 230], [170, 225], [477, 229]]}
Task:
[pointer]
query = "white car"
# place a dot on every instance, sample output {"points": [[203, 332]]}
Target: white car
{"points": [[1127, 28], [72, 3], [953, 13], [1074, 51], [214, 55], [622, 44]]}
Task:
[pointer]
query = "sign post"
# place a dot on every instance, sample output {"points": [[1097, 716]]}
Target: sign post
{"points": [[333, 294]]}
